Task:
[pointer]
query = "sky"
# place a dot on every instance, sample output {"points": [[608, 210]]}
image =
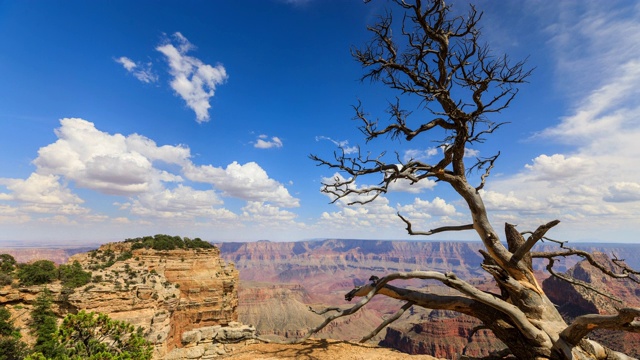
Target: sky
{"points": [[121, 119]]}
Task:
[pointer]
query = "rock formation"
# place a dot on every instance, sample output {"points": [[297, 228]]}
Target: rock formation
{"points": [[575, 300], [292, 275], [441, 334], [167, 293]]}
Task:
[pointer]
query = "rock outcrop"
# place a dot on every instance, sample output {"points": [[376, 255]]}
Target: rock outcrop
{"points": [[167, 293], [442, 334], [324, 270], [573, 300]]}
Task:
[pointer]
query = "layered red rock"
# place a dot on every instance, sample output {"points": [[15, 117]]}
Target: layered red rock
{"points": [[167, 293], [573, 300], [442, 334]]}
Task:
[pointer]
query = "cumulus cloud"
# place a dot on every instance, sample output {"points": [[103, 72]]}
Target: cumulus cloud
{"points": [[142, 72], [111, 164], [420, 155], [182, 202], [471, 152], [558, 167], [249, 182], [382, 216], [344, 144], [266, 214], [404, 185], [426, 154], [263, 142], [623, 192], [157, 182], [425, 208], [512, 201], [37, 188], [193, 80]]}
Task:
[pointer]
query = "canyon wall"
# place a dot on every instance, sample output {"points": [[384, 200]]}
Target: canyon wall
{"points": [[279, 276], [573, 301], [167, 293]]}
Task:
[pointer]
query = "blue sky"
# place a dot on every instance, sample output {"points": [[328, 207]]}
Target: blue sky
{"points": [[121, 119]]}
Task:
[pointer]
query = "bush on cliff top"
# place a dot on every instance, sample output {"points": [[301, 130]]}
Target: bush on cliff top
{"points": [[167, 242], [37, 273]]}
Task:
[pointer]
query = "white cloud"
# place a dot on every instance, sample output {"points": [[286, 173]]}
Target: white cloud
{"points": [[263, 143], [424, 155], [267, 215], [37, 188], [379, 216], [512, 201], [182, 202], [420, 155], [142, 72], [471, 152], [194, 81], [156, 181], [404, 185], [593, 187], [344, 145], [558, 167], [623, 192], [96, 160], [249, 182], [425, 208]]}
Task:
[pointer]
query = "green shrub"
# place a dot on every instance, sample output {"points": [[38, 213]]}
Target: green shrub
{"points": [[82, 336], [7, 263], [38, 273], [5, 279], [162, 242], [44, 326], [126, 255], [73, 276]]}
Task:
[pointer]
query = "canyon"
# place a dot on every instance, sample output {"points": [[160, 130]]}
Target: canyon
{"points": [[170, 294], [188, 298], [291, 276]]}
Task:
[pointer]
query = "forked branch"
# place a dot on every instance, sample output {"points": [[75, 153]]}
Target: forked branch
{"points": [[388, 321], [627, 272], [625, 320], [436, 230]]}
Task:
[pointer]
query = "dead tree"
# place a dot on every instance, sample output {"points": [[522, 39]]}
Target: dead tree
{"points": [[438, 58]]}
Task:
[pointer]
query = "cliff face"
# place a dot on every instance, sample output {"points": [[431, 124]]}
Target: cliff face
{"points": [[279, 281], [441, 334], [168, 293], [575, 300], [325, 270], [294, 260]]}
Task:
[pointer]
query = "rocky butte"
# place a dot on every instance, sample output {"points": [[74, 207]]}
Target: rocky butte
{"points": [[183, 298]]}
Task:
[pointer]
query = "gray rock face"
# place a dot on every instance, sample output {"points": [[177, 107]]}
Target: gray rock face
{"points": [[210, 341]]}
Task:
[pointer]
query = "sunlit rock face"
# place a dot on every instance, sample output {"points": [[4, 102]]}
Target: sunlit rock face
{"points": [[167, 293], [575, 300]]}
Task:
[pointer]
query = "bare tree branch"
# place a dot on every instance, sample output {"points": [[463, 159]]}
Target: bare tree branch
{"points": [[532, 240], [388, 321], [583, 325], [627, 273], [577, 282], [436, 230]]}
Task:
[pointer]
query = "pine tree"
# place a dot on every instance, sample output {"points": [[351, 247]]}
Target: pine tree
{"points": [[11, 347], [43, 326]]}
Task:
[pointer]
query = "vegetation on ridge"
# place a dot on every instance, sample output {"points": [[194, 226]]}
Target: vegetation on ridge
{"points": [[167, 242]]}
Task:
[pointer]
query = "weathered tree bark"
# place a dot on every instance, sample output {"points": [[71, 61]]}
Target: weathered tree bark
{"points": [[438, 57]]}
